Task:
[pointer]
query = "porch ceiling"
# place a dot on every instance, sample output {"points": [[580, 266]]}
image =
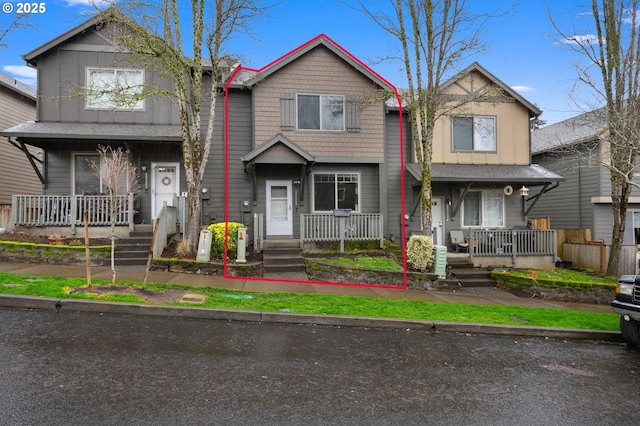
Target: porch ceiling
{"points": [[532, 173], [94, 131]]}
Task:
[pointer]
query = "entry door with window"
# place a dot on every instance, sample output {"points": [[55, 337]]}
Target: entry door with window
{"points": [[279, 211], [164, 186]]}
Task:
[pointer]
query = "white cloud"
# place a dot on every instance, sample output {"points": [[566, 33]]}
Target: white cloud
{"points": [[580, 40], [98, 3], [23, 73], [522, 88]]}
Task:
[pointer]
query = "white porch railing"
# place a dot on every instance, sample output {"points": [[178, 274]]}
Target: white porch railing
{"points": [[514, 243], [357, 227], [68, 210]]}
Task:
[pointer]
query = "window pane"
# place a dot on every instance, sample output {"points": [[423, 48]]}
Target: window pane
{"points": [[101, 86], [348, 191], [129, 85], [324, 192], [492, 201], [484, 134], [332, 113], [86, 179], [462, 133], [472, 215], [308, 112]]}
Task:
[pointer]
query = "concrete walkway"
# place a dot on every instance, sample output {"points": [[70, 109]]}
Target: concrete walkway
{"points": [[475, 296]]}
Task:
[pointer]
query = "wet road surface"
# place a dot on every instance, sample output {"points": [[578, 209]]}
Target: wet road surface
{"points": [[73, 368]]}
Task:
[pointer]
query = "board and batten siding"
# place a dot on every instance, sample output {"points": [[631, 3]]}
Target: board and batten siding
{"points": [[321, 72], [16, 174], [62, 75], [512, 129]]}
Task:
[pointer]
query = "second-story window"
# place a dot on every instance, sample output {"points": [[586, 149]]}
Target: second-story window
{"points": [[115, 89], [321, 112], [474, 133]]}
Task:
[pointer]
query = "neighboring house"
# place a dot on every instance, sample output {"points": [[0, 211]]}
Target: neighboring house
{"points": [[17, 175], [300, 139], [481, 160], [574, 148], [304, 137]]}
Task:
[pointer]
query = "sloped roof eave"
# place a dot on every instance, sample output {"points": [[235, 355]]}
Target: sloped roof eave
{"points": [[532, 173]]}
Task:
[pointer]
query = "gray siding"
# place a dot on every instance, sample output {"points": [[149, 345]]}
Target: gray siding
{"points": [[240, 142], [394, 173], [62, 76], [16, 174], [569, 205]]}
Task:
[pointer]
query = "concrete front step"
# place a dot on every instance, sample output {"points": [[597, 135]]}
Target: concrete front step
{"points": [[281, 257], [281, 244], [472, 277], [277, 269]]}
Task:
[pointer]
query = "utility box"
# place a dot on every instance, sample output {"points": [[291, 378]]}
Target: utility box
{"points": [[440, 261], [204, 246], [242, 245]]}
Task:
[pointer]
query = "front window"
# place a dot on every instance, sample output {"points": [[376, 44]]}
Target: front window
{"points": [[321, 112], [336, 191], [86, 176], [474, 133], [115, 88], [636, 228], [483, 209]]}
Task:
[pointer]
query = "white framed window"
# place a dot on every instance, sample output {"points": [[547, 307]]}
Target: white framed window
{"points": [[336, 191], [86, 180], [474, 133], [115, 88], [320, 112], [636, 227], [483, 209]]}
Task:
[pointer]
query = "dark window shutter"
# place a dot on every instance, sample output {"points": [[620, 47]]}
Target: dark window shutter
{"points": [[288, 111], [353, 114]]}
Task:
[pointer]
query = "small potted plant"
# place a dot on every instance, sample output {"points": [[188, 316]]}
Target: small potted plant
{"points": [[57, 239]]}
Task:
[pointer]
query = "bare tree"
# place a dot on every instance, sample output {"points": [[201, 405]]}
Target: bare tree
{"points": [[613, 72], [17, 22], [434, 35], [119, 179], [185, 45]]}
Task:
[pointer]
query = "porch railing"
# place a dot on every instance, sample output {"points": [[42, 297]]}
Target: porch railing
{"points": [[357, 227], [68, 210], [514, 243]]}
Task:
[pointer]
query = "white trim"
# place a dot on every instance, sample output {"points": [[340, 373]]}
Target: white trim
{"points": [[313, 190], [473, 133], [320, 95], [483, 224], [152, 192], [115, 71]]}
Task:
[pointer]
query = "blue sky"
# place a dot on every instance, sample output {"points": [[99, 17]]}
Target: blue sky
{"points": [[522, 49]]}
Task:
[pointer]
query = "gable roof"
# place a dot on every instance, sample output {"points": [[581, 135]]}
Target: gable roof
{"points": [[534, 110], [302, 155], [582, 128], [320, 40], [17, 86], [31, 56]]}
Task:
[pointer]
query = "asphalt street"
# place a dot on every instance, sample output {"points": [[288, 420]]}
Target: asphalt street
{"points": [[113, 369]]}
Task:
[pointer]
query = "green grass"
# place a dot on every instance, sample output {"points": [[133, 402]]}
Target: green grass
{"points": [[368, 262], [330, 304]]}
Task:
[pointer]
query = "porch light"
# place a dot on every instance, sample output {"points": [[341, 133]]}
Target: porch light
{"points": [[524, 191]]}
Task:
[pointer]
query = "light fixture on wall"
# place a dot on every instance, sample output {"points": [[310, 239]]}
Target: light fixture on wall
{"points": [[524, 191], [143, 167]]}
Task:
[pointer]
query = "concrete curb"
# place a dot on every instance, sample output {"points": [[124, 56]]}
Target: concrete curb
{"points": [[90, 306]]}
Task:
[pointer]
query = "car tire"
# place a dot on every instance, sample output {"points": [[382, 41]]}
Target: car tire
{"points": [[630, 331]]}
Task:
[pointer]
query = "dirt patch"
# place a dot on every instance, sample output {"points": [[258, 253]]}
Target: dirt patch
{"points": [[149, 296]]}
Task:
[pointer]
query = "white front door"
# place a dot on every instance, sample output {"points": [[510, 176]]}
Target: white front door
{"points": [[279, 211], [436, 221], [164, 185]]}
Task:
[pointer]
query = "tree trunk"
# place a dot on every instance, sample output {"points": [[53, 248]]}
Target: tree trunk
{"points": [[194, 213]]}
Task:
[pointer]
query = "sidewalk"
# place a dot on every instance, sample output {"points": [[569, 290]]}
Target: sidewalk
{"points": [[475, 296]]}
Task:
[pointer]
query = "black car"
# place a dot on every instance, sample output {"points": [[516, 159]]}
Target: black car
{"points": [[627, 304]]}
